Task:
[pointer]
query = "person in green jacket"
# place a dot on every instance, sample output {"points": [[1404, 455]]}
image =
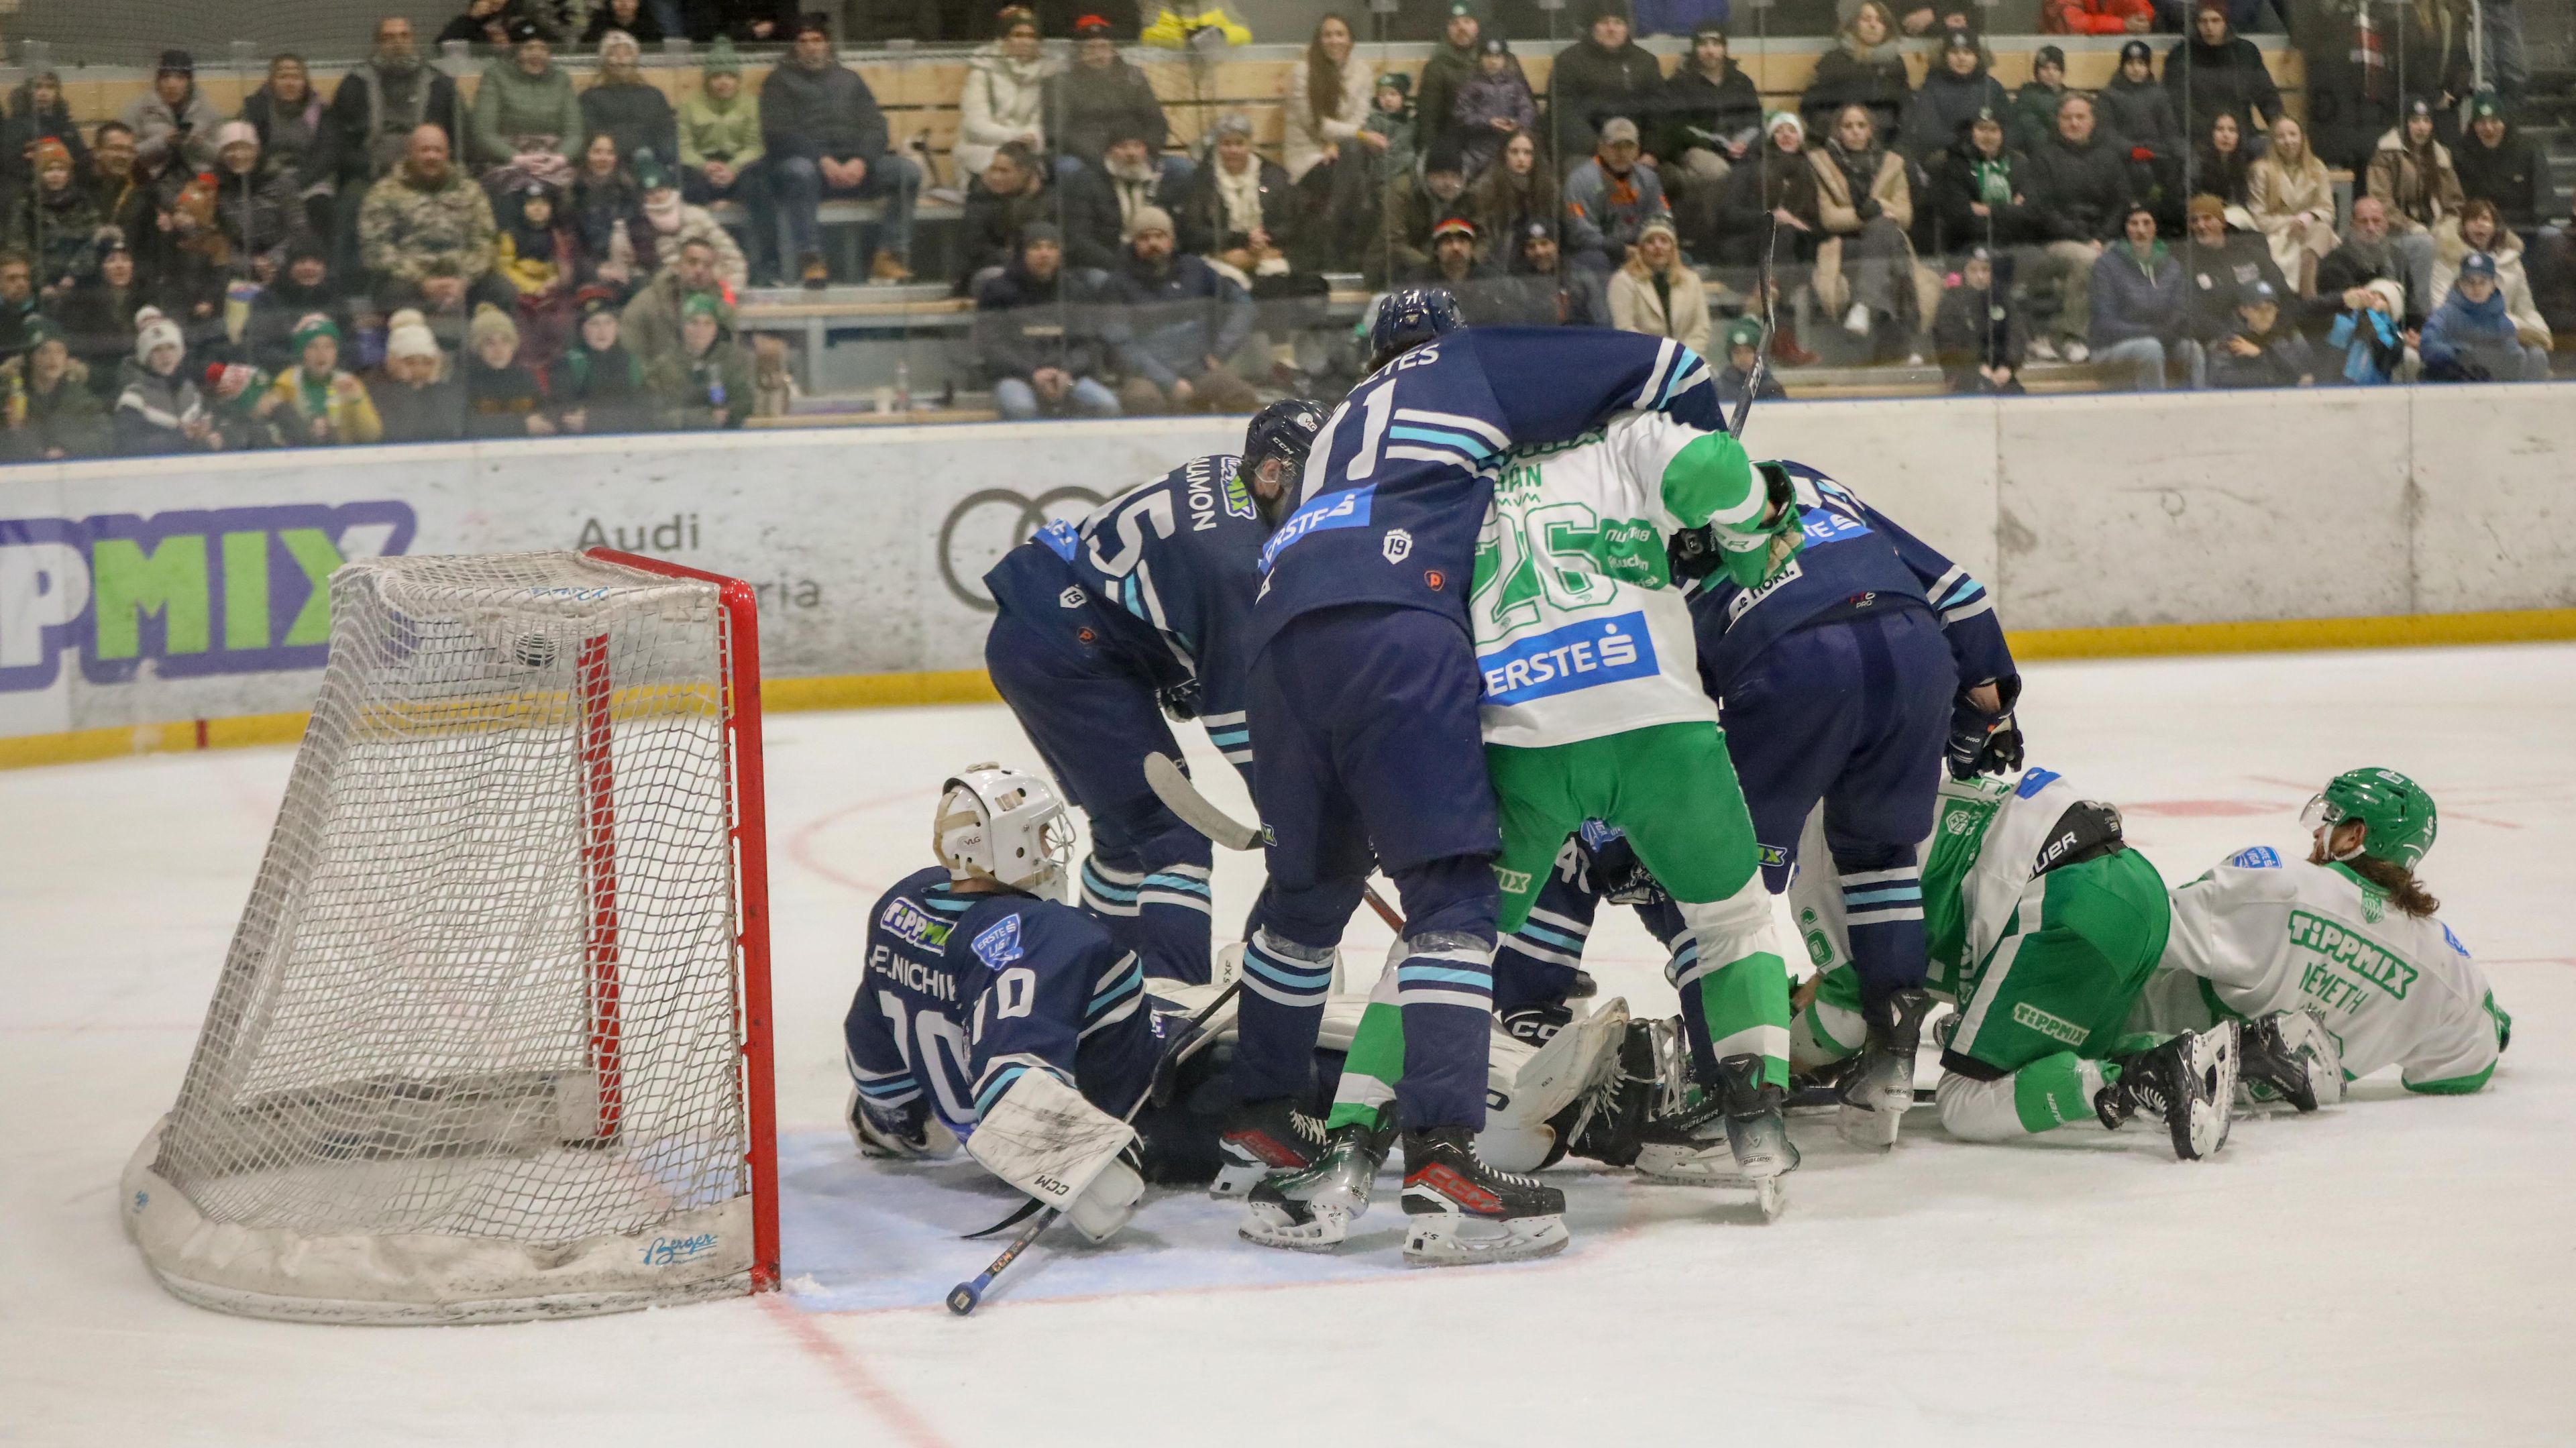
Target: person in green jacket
{"points": [[46, 403], [525, 103], [721, 154], [708, 385]]}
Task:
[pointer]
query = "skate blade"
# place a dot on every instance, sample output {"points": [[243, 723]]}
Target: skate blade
{"points": [[1450, 1240], [1720, 1173], [2211, 1110], [1267, 1224], [1870, 1128]]}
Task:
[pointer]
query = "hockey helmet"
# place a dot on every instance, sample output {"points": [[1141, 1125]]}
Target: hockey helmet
{"points": [[1409, 317], [1002, 825], [1284, 430], [2398, 813]]}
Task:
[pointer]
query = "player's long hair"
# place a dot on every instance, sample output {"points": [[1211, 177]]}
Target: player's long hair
{"points": [[2404, 890]]}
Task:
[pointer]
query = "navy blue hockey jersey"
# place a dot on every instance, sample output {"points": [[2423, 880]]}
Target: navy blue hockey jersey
{"points": [[964, 992], [1165, 572], [1392, 498], [1852, 559]]}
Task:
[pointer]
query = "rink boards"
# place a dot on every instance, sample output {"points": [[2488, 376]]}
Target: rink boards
{"points": [[176, 603]]}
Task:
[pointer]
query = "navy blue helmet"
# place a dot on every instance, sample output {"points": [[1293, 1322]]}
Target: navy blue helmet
{"points": [[1408, 318], [1284, 430]]}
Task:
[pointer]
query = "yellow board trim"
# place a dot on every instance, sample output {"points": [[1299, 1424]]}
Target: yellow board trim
{"points": [[970, 686]]}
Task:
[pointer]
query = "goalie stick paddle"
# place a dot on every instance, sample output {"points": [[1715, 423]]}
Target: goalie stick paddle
{"points": [[964, 1297], [1163, 776]]}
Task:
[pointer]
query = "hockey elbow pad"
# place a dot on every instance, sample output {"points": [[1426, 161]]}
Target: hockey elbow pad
{"points": [[1045, 1138]]}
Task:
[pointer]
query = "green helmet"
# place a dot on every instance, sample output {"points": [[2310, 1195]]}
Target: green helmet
{"points": [[2396, 809]]}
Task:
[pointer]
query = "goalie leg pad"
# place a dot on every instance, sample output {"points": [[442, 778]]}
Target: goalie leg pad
{"points": [[1529, 1091], [1045, 1138]]}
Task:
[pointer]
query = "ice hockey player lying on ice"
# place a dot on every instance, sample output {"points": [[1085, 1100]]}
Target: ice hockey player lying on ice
{"points": [[2347, 935], [993, 1014]]}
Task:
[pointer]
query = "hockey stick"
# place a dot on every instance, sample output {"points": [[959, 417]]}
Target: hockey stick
{"points": [[964, 1297], [1163, 776], [1762, 352]]}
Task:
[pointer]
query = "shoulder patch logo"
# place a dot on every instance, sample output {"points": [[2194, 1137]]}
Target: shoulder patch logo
{"points": [[907, 921], [2033, 780], [999, 945], [2261, 857], [1397, 545]]}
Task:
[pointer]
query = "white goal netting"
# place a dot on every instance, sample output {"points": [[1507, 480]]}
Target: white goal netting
{"points": [[477, 1051]]}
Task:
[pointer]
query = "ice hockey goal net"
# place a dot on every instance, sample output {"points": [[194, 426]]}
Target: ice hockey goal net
{"points": [[492, 1039]]}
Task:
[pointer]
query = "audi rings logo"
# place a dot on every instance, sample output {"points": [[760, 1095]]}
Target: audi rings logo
{"points": [[987, 524]]}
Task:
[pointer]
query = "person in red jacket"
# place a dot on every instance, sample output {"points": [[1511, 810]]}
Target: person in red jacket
{"points": [[2096, 17]]}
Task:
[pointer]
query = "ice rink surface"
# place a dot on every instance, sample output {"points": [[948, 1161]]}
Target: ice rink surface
{"points": [[2399, 1270]]}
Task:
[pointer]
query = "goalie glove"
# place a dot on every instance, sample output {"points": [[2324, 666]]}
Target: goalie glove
{"points": [[904, 1133], [1983, 743], [1045, 1138]]}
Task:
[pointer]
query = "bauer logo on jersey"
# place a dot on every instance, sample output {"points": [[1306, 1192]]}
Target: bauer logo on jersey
{"points": [[1000, 945], [906, 921], [1348, 508], [1581, 655]]}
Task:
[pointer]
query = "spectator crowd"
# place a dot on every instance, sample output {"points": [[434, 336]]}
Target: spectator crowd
{"points": [[561, 254]]}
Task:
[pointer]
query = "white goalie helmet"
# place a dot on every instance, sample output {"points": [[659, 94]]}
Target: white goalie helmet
{"points": [[1001, 824]]}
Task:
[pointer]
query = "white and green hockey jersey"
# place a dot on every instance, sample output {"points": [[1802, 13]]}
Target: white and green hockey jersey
{"points": [[1579, 631], [2269, 934]]}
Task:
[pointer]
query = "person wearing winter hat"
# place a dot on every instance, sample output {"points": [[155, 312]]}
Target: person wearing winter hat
{"points": [[55, 223], [671, 221], [1391, 117], [1978, 335], [258, 207], [624, 104], [1493, 106], [2032, 118], [598, 385], [172, 122], [524, 104], [2411, 173], [1744, 344], [1955, 90], [709, 386], [46, 405], [1654, 292], [2499, 164], [314, 403], [1003, 99], [2136, 110], [501, 397], [160, 410], [415, 399], [828, 138], [1604, 74], [632, 18], [721, 156]]}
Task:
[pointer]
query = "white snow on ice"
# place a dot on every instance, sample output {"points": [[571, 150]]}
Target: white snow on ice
{"points": [[2400, 1270]]}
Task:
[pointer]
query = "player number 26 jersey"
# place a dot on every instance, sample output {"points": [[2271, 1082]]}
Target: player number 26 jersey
{"points": [[1578, 630]]}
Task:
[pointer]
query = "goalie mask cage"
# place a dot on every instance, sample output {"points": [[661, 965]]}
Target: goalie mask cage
{"points": [[492, 1040]]}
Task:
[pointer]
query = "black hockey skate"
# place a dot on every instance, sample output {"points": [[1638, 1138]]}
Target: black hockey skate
{"points": [[1263, 1137], [1880, 1089], [1747, 1117], [2288, 1056], [1459, 1210], [1312, 1210], [1604, 1125], [2188, 1082]]}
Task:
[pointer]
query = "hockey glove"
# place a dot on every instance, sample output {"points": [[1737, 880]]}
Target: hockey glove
{"points": [[1983, 743], [1618, 876], [904, 1133]]}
